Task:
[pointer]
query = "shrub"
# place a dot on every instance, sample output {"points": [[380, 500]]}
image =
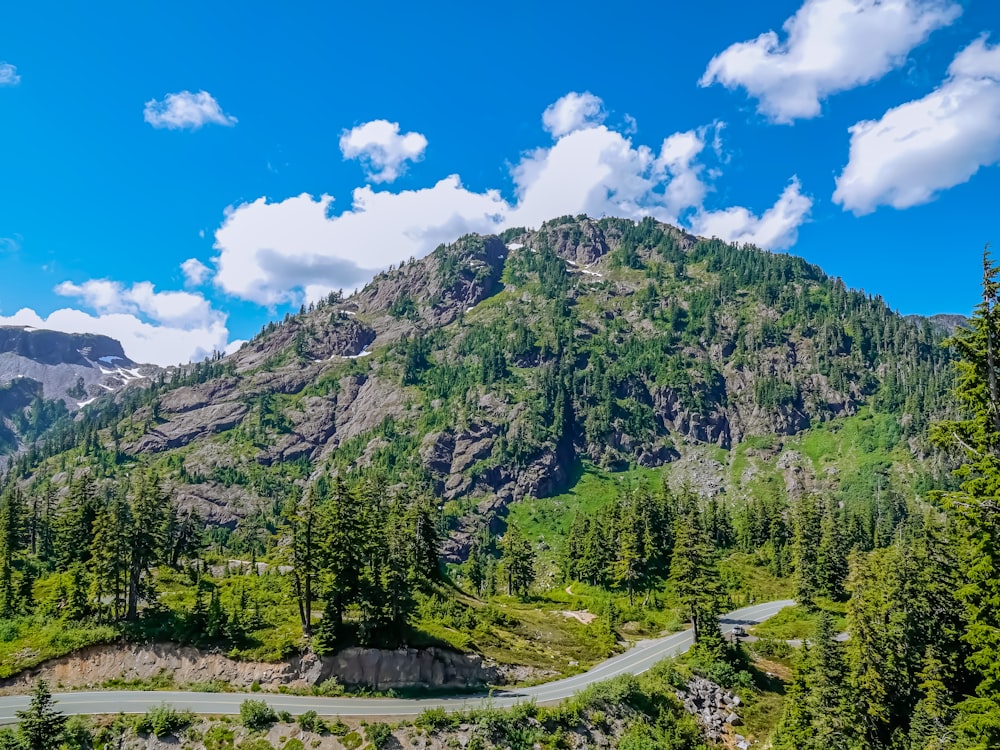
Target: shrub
{"points": [[284, 717], [310, 722], [257, 743], [293, 745], [378, 734], [257, 715], [351, 741], [329, 688], [772, 647], [433, 719], [76, 734], [163, 720], [219, 737], [338, 728]]}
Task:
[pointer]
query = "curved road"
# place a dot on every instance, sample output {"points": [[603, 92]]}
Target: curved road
{"points": [[636, 660]]}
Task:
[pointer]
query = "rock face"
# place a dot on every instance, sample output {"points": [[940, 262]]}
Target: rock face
{"points": [[74, 368], [374, 668]]}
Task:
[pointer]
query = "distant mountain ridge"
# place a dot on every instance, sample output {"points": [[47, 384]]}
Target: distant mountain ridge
{"points": [[946, 323], [46, 374]]}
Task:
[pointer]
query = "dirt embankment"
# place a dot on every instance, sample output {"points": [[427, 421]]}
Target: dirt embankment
{"points": [[374, 668]]}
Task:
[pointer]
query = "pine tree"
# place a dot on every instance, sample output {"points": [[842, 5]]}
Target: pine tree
{"points": [[818, 710], [343, 541], [805, 549], [109, 555], [975, 504], [41, 725], [518, 561], [930, 725], [628, 568], [144, 537], [301, 519], [695, 577], [11, 531], [831, 557]]}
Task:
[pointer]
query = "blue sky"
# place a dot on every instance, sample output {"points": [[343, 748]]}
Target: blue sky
{"points": [[178, 174]]}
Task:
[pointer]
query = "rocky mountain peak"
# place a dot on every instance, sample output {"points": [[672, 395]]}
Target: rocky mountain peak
{"points": [[58, 348], [74, 368]]}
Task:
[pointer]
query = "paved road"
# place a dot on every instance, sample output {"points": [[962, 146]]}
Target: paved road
{"points": [[636, 660]]}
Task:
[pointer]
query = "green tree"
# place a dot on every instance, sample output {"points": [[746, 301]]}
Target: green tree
{"points": [[518, 561], [806, 541], [695, 578], [930, 725], [975, 504], [144, 536], [343, 542], [818, 711], [41, 725], [302, 519]]}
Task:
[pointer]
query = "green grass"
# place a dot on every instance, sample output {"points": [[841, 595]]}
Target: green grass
{"points": [[28, 641], [548, 520], [799, 623], [740, 574]]}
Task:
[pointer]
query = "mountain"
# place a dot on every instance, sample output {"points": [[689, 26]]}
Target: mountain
{"points": [[947, 323], [45, 375], [603, 428], [490, 369]]}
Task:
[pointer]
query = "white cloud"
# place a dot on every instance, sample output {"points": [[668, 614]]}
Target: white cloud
{"points": [[8, 74], [186, 110], [776, 229], [573, 112], [195, 272], [284, 251], [164, 328], [270, 251], [831, 46], [170, 308], [382, 149], [924, 146]]}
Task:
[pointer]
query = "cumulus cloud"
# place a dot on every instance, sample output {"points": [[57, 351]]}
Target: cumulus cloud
{"points": [[924, 146], [268, 252], [274, 252], [573, 112], [170, 308], [777, 228], [195, 272], [186, 110], [164, 328], [8, 74], [382, 149], [830, 46]]}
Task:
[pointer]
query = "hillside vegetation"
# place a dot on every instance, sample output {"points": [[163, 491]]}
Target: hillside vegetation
{"points": [[532, 446]]}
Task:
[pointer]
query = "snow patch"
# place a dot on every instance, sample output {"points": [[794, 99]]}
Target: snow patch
{"points": [[87, 402], [109, 360], [363, 353], [592, 273], [515, 246]]}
